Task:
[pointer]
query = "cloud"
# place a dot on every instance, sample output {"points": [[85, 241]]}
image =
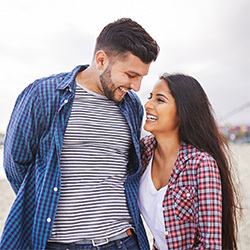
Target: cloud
{"points": [[207, 39]]}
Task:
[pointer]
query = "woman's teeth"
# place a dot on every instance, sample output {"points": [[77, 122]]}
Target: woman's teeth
{"points": [[151, 117]]}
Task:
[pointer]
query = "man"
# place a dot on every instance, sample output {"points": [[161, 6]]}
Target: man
{"points": [[72, 142]]}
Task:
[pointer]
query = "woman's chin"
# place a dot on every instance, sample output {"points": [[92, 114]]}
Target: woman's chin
{"points": [[147, 128]]}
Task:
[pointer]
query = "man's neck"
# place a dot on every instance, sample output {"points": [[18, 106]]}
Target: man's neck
{"points": [[89, 79]]}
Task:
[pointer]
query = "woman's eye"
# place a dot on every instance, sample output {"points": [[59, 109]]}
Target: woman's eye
{"points": [[160, 100]]}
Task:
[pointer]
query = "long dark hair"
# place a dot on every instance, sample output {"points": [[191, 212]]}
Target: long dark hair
{"points": [[198, 127]]}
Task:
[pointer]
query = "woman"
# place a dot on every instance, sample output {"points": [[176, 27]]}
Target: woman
{"points": [[186, 194]]}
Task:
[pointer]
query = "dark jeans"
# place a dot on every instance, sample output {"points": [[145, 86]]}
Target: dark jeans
{"points": [[129, 242]]}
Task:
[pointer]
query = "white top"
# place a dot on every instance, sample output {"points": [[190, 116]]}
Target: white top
{"points": [[150, 204]]}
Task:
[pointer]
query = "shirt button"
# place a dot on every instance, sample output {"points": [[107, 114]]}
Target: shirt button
{"points": [[166, 233], [48, 219], [188, 195], [65, 101], [55, 189], [163, 209]]}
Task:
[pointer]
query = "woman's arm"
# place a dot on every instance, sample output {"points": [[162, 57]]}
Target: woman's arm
{"points": [[210, 204]]}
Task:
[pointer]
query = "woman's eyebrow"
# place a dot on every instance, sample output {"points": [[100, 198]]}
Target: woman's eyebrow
{"points": [[162, 95]]}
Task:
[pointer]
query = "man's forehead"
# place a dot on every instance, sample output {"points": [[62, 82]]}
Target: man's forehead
{"points": [[135, 67]]}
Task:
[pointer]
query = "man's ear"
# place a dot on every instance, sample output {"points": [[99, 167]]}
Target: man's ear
{"points": [[101, 59]]}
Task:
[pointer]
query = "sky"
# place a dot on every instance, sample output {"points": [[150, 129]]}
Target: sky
{"points": [[208, 39]]}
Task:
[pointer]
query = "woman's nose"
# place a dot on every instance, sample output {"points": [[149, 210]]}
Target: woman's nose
{"points": [[148, 104]]}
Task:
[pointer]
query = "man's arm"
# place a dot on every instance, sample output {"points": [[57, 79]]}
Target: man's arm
{"points": [[22, 136]]}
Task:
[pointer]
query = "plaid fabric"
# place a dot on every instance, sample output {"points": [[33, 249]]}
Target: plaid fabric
{"points": [[192, 206], [32, 151]]}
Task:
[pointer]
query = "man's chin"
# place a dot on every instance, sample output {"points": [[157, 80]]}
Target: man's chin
{"points": [[118, 98]]}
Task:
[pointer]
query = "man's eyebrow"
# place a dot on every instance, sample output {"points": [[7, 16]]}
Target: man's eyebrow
{"points": [[132, 72]]}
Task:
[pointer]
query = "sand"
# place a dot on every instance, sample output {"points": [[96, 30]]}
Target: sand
{"points": [[242, 158], [7, 197], [242, 161]]}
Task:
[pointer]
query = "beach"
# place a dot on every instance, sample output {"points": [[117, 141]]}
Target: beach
{"points": [[241, 153]]}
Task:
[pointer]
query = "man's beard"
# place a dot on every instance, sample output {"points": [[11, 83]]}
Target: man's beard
{"points": [[107, 84]]}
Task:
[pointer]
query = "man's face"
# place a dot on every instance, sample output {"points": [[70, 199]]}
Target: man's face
{"points": [[123, 75]]}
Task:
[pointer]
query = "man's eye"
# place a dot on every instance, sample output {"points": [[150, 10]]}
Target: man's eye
{"points": [[130, 76]]}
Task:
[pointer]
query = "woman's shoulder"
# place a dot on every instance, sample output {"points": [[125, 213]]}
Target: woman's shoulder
{"points": [[197, 157], [191, 151]]}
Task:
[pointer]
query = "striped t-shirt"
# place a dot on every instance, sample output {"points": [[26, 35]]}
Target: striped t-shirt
{"points": [[94, 156]]}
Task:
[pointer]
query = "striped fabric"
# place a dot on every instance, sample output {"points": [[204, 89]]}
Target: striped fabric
{"points": [[93, 170], [32, 152], [192, 206]]}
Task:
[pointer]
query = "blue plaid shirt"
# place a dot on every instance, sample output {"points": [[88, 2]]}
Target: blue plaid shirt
{"points": [[32, 151]]}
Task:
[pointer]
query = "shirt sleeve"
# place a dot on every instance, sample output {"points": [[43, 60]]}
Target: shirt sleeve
{"points": [[22, 136], [210, 205]]}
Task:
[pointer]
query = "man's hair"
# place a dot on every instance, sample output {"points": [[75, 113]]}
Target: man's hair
{"points": [[126, 35]]}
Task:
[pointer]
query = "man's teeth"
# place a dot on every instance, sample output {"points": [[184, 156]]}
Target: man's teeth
{"points": [[123, 90], [151, 117]]}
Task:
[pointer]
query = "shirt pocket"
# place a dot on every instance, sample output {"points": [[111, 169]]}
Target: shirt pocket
{"points": [[184, 203]]}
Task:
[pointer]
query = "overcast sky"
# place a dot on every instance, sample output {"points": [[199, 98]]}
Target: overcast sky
{"points": [[208, 39]]}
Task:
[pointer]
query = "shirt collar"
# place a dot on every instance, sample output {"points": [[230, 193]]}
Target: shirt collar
{"points": [[68, 81], [187, 151]]}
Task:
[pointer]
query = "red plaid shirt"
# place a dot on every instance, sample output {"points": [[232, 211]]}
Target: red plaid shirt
{"points": [[192, 206]]}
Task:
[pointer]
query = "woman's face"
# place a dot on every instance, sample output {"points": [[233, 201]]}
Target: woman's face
{"points": [[161, 111]]}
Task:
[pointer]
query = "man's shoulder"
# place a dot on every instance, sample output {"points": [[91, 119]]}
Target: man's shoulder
{"points": [[58, 80], [131, 99], [54, 79], [133, 96], [51, 83]]}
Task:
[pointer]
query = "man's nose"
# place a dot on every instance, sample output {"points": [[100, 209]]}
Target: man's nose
{"points": [[136, 84]]}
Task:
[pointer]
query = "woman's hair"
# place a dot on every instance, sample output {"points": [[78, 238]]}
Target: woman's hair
{"points": [[198, 128], [126, 35]]}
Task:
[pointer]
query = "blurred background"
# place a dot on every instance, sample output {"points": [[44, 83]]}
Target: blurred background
{"points": [[208, 39]]}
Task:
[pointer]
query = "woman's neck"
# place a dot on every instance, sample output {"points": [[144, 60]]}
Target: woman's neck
{"points": [[165, 156], [167, 146]]}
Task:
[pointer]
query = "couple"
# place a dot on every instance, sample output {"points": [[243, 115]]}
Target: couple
{"points": [[82, 176]]}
